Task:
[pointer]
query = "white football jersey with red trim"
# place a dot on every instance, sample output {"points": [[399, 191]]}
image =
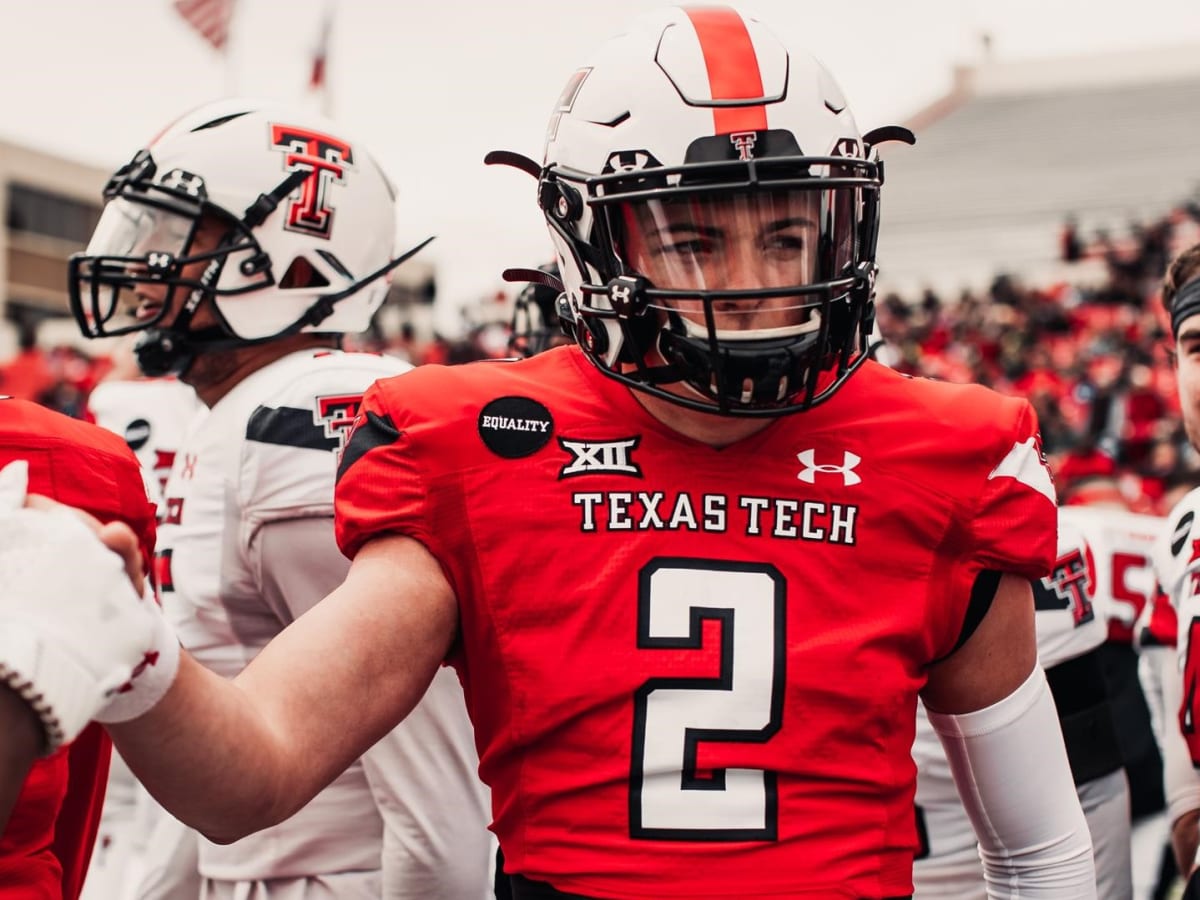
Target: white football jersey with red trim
{"points": [[1123, 547], [267, 453], [152, 414]]}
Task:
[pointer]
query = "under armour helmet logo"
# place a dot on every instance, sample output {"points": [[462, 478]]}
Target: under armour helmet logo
{"points": [[185, 182], [846, 469], [744, 141], [159, 262]]}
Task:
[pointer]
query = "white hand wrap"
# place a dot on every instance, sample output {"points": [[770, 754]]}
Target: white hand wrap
{"points": [[74, 635]]}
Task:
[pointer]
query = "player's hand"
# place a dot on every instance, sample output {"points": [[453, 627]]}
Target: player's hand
{"points": [[116, 536], [75, 635]]}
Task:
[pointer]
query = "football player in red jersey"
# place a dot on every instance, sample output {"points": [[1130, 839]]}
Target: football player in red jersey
{"points": [[694, 570], [45, 848]]}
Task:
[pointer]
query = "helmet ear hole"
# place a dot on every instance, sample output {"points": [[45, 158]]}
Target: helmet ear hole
{"points": [[302, 274], [561, 201]]}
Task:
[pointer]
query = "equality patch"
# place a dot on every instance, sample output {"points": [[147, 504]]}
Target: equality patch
{"points": [[514, 427]]}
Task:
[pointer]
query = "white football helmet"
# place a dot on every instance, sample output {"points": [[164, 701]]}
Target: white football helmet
{"points": [[695, 117], [310, 219]]}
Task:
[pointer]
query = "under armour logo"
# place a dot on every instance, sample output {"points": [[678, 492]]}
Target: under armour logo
{"points": [[629, 161], [591, 457], [159, 261], [744, 141], [846, 469], [185, 182], [620, 294], [188, 470]]}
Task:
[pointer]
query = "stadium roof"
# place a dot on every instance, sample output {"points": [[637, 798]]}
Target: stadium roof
{"points": [[1016, 148]]}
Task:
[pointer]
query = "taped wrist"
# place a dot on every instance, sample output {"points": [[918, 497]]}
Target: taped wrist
{"points": [[151, 677], [73, 632]]}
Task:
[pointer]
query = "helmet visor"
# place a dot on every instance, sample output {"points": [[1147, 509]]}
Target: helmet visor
{"points": [[132, 229], [731, 247], [134, 244]]}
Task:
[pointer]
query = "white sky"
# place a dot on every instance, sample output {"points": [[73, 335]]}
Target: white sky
{"points": [[432, 85]]}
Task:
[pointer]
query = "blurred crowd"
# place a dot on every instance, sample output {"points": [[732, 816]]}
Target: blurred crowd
{"points": [[1091, 353]]}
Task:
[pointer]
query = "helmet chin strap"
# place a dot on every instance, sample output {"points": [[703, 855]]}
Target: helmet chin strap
{"points": [[173, 349], [754, 367], [166, 351]]}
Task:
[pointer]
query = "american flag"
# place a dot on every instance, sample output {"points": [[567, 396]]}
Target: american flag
{"points": [[209, 17]]}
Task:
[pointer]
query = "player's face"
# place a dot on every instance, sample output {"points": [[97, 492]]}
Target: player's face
{"points": [[1187, 368], [728, 242], [151, 297]]}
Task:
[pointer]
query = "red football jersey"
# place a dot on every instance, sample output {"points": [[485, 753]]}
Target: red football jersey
{"points": [[45, 849], [693, 671]]}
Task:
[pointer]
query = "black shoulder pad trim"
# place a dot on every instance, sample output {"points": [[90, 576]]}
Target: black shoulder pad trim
{"points": [[374, 431], [288, 427]]}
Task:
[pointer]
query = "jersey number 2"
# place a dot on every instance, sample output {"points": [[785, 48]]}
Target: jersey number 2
{"points": [[670, 797]]}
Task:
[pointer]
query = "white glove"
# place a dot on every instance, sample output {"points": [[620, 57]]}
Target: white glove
{"points": [[74, 634]]}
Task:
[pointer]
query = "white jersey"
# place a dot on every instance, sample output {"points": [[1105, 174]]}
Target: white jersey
{"points": [[1177, 561], [1122, 545], [1069, 623], [152, 415], [246, 545]]}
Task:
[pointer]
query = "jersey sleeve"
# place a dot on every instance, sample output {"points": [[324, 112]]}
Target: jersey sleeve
{"points": [[84, 466], [380, 484], [1068, 623], [1013, 527]]}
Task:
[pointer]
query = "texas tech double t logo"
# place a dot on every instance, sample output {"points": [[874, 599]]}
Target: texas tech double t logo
{"points": [[327, 158]]}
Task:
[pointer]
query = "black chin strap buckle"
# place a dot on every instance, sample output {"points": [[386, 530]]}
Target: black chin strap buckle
{"points": [[627, 295], [265, 204], [321, 310]]}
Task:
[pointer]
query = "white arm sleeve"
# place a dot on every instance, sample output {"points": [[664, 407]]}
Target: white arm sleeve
{"points": [[1011, 770]]}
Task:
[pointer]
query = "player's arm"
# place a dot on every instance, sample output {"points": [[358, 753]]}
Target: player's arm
{"points": [[22, 741], [230, 758], [992, 709]]}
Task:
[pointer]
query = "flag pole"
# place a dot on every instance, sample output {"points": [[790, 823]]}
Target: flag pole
{"points": [[227, 59], [318, 80]]}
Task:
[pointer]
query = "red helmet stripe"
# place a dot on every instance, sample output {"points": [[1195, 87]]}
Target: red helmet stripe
{"points": [[732, 67]]}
